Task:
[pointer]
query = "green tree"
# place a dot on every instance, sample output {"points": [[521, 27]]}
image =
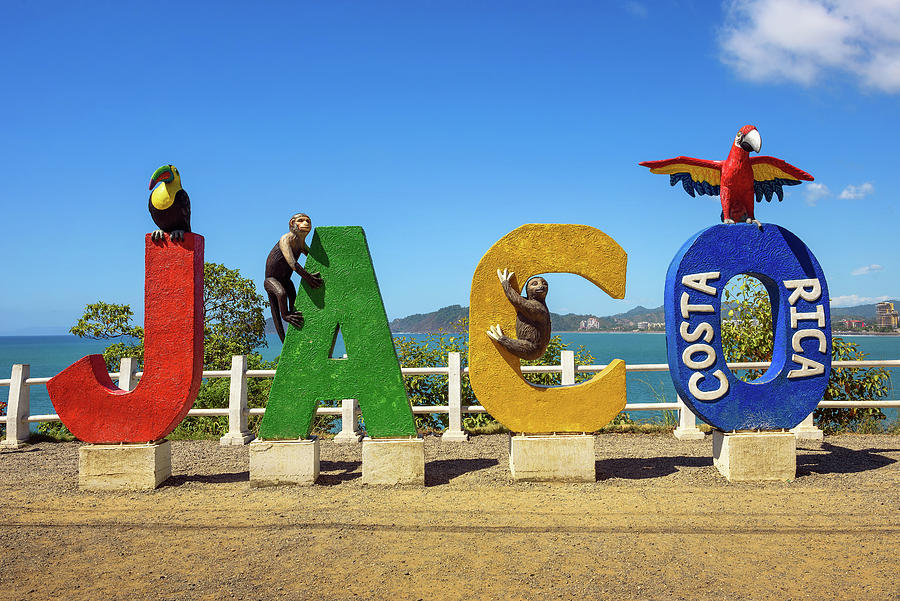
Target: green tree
{"points": [[747, 333], [232, 312], [233, 316], [234, 325], [432, 390], [747, 336], [109, 321], [849, 384]]}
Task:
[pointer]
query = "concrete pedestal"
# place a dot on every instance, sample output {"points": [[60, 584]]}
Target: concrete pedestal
{"points": [[124, 466], [755, 456], [553, 458], [274, 462], [393, 461]]}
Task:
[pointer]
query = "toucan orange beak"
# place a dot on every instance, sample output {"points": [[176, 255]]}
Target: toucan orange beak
{"points": [[163, 174]]}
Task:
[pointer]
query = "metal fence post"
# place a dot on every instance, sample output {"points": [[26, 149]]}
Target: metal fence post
{"points": [[687, 424], [127, 372], [567, 362], [454, 431], [349, 423], [17, 408], [238, 432]]}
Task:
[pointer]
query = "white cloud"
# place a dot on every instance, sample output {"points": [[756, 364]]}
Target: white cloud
{"points": [[816, 192], [804, 40], [854, 192], [852, 300], [866, 269]]}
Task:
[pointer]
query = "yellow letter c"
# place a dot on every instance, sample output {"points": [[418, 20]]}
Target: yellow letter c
{"points": [[496, 374]]}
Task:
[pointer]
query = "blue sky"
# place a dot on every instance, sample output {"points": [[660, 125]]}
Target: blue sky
{"points": [[438, 127]]}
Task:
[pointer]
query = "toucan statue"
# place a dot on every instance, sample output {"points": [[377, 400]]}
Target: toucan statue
{"points": [[170, 206], [737, 179]]}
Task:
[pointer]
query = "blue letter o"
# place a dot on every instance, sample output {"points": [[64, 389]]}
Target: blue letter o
{"points": [[801, 321]]}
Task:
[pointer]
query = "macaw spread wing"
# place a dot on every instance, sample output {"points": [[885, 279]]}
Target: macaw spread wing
{"points": [[697, 176], [770, 174]]}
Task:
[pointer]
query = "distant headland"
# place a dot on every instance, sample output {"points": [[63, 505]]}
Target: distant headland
{"points": [[638, 319]]}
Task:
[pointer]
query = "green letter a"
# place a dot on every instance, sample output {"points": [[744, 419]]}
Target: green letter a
{"points": [[349, 301]]}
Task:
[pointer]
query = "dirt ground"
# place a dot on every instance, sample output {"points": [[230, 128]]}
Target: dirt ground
{"points": [[659, 523]]}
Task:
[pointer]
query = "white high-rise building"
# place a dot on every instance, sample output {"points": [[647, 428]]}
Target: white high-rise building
{"points": [[885, 315]]}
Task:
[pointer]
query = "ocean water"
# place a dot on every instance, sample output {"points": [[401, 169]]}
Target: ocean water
{"points": [[48, 355]]}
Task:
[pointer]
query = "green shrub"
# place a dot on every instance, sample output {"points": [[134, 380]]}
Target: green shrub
{"points": [[234, 324], [852, 383], [748, 337], [432, 389], [53, 431]]}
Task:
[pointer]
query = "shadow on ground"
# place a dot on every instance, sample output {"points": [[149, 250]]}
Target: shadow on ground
{"points": [[639, 468], [840, 460], [25, 449], [443, 470], [335, 472], [180, 479]]}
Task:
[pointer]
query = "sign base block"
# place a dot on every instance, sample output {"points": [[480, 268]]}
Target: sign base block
{"points": [[552, 458], [276, 462], [755, 456], [393, 461], [142, 466]]}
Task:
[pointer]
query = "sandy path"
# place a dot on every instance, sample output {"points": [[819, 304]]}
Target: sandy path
{"points": [[660, 523]]}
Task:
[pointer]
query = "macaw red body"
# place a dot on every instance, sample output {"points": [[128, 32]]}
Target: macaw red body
{"points": [[736, 187], [737, 180]]}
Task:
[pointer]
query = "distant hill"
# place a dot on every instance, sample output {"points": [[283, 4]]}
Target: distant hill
{"points": [[270, 326], [420, 322], [443, 318], [639, 313], [864, 312], [446, 317], [570, 322]]}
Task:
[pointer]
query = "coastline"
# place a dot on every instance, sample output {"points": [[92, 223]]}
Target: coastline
{"points": [[867, 334], [67, 336], [833, 333], [551, 331], [606, 332]]}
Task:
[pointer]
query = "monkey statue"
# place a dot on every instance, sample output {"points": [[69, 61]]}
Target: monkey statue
{"points": [[532, 318], [280, 264]]}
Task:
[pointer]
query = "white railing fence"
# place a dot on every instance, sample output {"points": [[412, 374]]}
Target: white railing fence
{"points": [[18, 415]]}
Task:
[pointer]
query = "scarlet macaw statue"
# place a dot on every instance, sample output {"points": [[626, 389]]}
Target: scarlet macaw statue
{"points": [[737, 179]]}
